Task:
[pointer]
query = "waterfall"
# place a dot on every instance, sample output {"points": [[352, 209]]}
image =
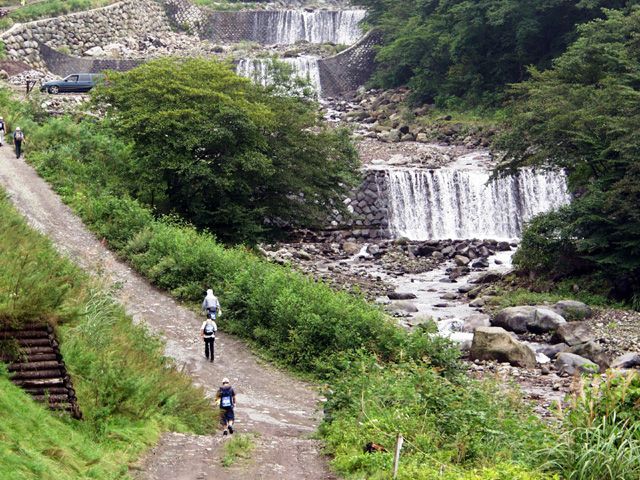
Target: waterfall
{"points": [[258, 69], [285, 27], [460, 204]]}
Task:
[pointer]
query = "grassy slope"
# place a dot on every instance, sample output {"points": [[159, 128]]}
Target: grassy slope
{"points": [[127, 391]]}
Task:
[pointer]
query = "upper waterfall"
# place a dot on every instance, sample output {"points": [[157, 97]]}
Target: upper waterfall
{"points": [[286, 27], [454, 203]]}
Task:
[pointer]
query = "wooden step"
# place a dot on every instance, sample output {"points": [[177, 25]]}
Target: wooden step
{"points": [[36, 342], [51, 391], [40, 382], [53, 399], [34, 350], [47, 365], [24, 334], [28, 375]]}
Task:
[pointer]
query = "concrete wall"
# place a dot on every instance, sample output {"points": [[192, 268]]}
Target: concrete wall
{"points": [[81, 31], [64, 65]]}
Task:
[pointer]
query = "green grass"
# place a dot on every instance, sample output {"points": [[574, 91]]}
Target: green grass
{"points": [[379, 378], [237, 449]]}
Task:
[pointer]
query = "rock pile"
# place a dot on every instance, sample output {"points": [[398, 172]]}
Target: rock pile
{"points": [[385, 115], [573, 344], [154, 46]]}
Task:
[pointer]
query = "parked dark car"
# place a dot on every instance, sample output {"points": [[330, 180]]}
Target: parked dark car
{"points": [[76, 82]]}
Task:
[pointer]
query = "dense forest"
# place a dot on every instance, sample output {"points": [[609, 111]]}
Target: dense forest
{"points": [[567, 77]]}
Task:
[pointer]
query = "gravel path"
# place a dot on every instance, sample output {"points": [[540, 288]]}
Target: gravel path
{"points": [[280, 411]]}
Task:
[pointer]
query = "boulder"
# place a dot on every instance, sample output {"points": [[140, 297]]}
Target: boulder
{"points": [[461, 260], [350, 248], [472, 322], [466, 288], [478, 302], [572, 309], [545, 320], [401, 295], [94, 52], [593, 352], [628, 360], [494, 343], [515, 319], [552, 351], [403, 306], [571, 363], [572, 333]]}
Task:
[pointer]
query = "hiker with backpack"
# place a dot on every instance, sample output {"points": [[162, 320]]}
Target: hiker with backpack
{"points": [[18, 138], [227, 399], [208, 333], [211, 305], [3, 131]]}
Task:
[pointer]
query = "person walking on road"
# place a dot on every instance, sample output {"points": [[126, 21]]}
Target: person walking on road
{"points": [[211, 305], [18, 138], [227, 398], [208, 333], [3, 131]]}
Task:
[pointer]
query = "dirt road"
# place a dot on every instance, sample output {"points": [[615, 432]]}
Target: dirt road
{"points": [[279, 411]]}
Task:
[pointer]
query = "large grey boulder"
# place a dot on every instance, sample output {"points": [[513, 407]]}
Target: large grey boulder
{"points": [[528, 319], [628, 360], [573, 333], [401, 295], [514, 319], [593, 352], [545, 320], [472, 322], [495, 343], [572, 309], [571, 363], [402, 306]]}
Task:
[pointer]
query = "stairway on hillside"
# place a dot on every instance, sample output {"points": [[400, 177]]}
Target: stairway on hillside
{"points": [[36, 365]]}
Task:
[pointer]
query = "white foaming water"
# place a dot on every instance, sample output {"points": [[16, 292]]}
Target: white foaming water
{"points": [[453, 203], [285, 27], [259, 69]]}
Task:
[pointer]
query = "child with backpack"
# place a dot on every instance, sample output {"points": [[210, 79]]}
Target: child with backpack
{"points": [[227, 398], [208, 333]]}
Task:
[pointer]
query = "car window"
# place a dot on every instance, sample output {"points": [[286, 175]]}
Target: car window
{"points": [[71, 78]]}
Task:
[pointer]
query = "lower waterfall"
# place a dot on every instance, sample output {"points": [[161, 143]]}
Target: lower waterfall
{"points": [[462, 204]]}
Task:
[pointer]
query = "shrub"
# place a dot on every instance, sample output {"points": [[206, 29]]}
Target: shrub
{"points": [[601, 439]]}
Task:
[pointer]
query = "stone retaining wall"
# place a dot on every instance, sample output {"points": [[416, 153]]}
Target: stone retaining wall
{"points": [[80, 31], [369, 208], [351, 68]]}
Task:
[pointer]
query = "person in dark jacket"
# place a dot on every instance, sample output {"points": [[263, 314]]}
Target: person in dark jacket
{"points": [[227, 400], [18, 138]]}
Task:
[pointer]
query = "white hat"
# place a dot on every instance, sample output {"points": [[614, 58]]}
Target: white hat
{"points": [[225, 380], [17, 128]]}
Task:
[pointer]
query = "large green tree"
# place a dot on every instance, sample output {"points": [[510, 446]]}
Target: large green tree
{"points": [[584, 115], [452, 51], [224, 153]]}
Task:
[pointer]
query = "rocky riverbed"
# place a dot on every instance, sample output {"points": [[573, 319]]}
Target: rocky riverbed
{"points": [[537, 348]]}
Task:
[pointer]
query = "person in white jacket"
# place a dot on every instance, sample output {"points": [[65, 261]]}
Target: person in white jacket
{"points": [[211, 305], [208, 333]]}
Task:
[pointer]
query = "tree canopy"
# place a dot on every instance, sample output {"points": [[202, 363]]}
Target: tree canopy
{"points": [[584, 115], [449, 51], [224, 153]]}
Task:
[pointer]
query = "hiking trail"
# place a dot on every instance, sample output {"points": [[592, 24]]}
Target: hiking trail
{"points": [[279, 411]]}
